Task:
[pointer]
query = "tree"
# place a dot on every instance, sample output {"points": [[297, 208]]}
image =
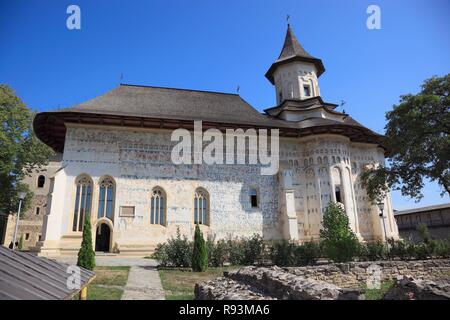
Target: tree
{"points": [[20, 245], [21, 152], [86, 255], [199, 255], [417, 143], [339, 242]]}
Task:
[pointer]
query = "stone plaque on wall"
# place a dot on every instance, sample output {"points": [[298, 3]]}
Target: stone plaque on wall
{"points": [[126, 211]]}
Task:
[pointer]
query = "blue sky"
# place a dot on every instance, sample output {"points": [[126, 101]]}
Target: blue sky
{"points": [[218, 45]]}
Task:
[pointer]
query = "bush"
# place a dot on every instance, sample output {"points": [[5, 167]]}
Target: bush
{"points": [[199, 254], [20, 244], [307, 253], [282, 253], [339, 242], [86, 255], [399, 249], [442, 249], [177, 252], [253, 250], [161, 254], [373, 251], [423, 232], [235, 252], [217, 253]]}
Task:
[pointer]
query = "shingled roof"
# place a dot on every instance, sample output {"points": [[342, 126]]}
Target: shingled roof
{"points": [[156, 107], [292, 50], [24, 276], [171, 103]]}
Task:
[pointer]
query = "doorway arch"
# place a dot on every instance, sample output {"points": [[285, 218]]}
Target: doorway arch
{"points": [[103, 234]]}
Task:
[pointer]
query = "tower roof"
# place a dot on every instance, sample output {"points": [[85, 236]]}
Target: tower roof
{"points": [[293, 51]]}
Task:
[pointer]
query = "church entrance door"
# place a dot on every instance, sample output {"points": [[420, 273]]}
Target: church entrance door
{"points": [[102, 238]]}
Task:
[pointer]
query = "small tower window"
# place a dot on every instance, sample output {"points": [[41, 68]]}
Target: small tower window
{"points": [[38, 211], [307, 91], [254, 198], [41, 182], [337, 192]]}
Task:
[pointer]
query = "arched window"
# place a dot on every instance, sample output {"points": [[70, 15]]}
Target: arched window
{"points": [[82, 201], [106, 198], [41, 182], [158, 207], [201, 207]]}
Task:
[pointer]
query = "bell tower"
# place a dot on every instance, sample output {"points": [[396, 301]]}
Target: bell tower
{"points": [[295, 73]]}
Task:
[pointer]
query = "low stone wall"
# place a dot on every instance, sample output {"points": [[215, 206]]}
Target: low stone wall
{"points": [[351, 275]]}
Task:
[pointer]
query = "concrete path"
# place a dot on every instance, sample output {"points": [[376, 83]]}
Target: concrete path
{"points": [[143, 284], [143, 280]]}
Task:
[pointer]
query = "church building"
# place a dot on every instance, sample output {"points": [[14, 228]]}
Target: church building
{"points": [[117, 170]]}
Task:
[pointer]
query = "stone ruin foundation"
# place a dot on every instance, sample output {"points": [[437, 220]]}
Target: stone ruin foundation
{"points": [[421, 280]]}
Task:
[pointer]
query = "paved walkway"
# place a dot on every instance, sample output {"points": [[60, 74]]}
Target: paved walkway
{"points": [[143, 284], [143, 280]]}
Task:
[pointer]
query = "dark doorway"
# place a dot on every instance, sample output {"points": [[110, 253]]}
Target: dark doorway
{"points": [[102, 238]]}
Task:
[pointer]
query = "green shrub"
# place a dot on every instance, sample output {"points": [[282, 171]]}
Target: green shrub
{"points": [[423, 232], [307, 253], [253, 250], [176, 252], [20, 244], [235, 252], [282, 253], [199, 253], [161, 255], [372, 251], [339, 242], [420, 251], [442, 249], [399, 249], [217, 253], [86, 254]]}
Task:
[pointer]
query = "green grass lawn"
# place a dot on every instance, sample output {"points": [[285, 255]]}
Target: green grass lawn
{"points": [[179, 285], [108, 283]]}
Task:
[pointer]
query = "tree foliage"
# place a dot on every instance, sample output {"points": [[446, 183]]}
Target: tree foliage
{"points": [[20, 150], [338, 240], [417, 142], [199, 255], [86, 254]]}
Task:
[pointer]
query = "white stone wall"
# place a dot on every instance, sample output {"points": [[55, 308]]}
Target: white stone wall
{"points": [[290, 79], [139, 160], [320, 164]]}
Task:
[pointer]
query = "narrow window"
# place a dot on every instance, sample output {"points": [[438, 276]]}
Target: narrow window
{"points": [[38, 211], [337, 192], [106, 199], [41, 182], [307, 91], [82, 202], [201, 207], [254, 198], [27, 236], [158, 207]]}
